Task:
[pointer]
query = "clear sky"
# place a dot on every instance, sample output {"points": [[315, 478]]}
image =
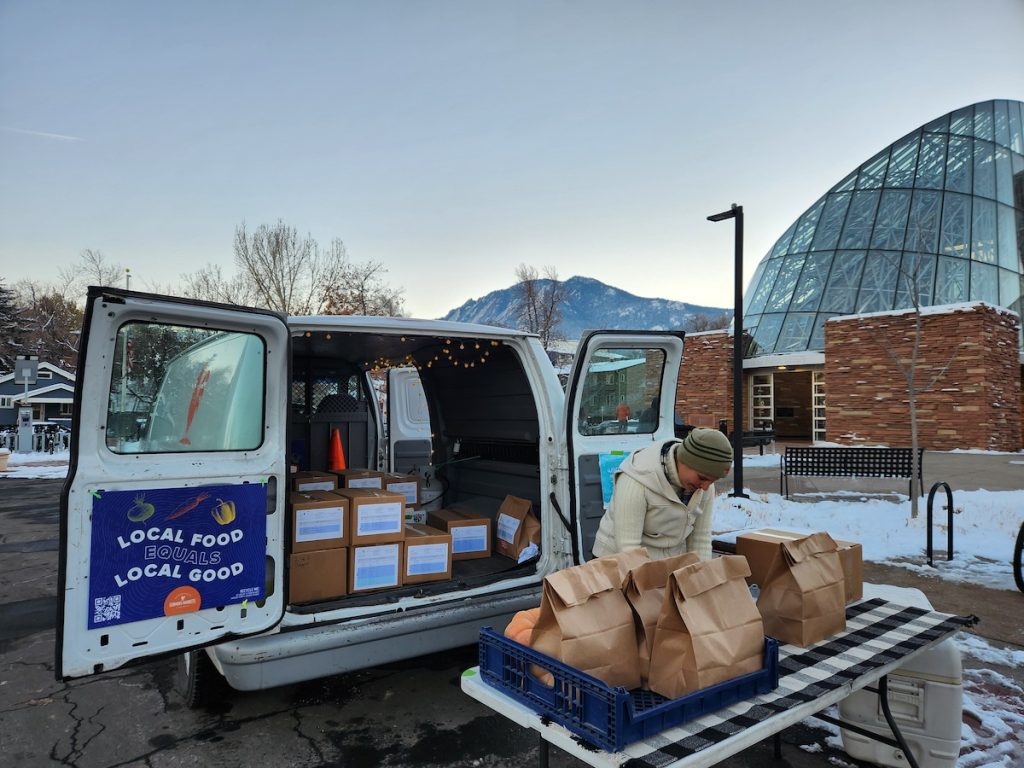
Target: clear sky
{"points": [[455, 139]]}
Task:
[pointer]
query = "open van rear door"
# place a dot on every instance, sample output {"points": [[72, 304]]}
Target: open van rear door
{"points": [[172, 515], [620, 396]]}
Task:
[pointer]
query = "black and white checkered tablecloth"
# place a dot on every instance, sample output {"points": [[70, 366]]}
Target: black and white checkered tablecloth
{"points": [[877, 633]]}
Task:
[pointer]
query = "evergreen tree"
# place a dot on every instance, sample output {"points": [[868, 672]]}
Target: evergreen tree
{"points": [[11, 329]]}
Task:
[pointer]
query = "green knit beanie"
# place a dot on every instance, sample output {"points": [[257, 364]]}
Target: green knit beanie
{"points": [[707, 452]]}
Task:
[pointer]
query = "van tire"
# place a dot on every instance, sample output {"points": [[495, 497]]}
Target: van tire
{"points": [[196, 678]]}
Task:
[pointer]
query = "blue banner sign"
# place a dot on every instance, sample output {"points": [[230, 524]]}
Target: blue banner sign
{"points": [[165, 551]]}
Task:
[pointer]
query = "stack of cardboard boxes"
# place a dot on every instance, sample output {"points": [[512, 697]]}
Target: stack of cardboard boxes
{"points": [[357, 530]]}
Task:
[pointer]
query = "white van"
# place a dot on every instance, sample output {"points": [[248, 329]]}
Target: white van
{"points": [[191, 417]]}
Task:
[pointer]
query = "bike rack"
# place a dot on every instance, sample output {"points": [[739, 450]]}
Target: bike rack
{"points": [[949, 520]]}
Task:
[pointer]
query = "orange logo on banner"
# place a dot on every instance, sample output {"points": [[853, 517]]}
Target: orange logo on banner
{"points": [[182, 600]]}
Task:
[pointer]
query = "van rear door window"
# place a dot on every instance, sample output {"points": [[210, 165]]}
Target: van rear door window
{"points": [[177, 389]]}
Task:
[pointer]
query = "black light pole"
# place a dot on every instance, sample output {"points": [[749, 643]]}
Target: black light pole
{"points": [[736, 213]]}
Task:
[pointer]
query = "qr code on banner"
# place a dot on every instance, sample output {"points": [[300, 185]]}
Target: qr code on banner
{"points": [[106, 609]]}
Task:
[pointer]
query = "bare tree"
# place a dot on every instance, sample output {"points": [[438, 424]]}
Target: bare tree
{"points": [[51, 324], [92, 269], [210, 284], [12, 329], [911, 278], [539, 302], [705, 322], [360, 289]]}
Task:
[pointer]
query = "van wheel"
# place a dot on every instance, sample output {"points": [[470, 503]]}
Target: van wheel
{"points": [[196, 678]]}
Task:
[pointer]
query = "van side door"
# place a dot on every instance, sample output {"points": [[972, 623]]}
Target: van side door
{"points": [[172, 521], [620, 396]]}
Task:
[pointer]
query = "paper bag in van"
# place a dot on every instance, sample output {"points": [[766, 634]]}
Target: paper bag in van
{"points": [[708, 630], [644, 588], [516, 527], [803, 599], [585, 622]]}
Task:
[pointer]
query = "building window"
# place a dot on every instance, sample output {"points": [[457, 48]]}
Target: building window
{"points": [[6, 401], [44, 374]]}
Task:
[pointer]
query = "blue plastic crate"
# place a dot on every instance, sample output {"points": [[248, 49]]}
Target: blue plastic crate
{"points": [[608, 717]]}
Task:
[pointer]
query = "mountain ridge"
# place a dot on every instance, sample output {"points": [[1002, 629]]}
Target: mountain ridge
{"points": [[590, 304]]}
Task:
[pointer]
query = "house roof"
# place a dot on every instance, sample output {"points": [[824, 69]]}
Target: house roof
{"points": [[43, 366]]}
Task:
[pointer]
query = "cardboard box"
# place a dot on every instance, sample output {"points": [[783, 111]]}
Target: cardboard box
{"points": [[374, 567], [407, 485], [428, 555], [321, 574], [471, 535], [375, 516], [759, 547], [314, 481], [319, 520], [358, 478]]}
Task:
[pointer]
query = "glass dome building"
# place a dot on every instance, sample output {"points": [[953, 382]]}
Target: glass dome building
{"points": [[939, 212]]}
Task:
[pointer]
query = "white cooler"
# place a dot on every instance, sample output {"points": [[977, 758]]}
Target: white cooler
{"points": [[925, 699]]}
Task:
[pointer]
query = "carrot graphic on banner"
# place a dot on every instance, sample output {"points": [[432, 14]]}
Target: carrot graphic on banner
{"points": [[336, 456], [198, 390]]}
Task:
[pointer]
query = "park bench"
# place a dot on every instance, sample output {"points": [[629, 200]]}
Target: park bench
{"points": [[845, 461], [758, 437]]}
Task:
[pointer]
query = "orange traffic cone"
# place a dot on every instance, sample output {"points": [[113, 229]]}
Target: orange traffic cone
{"points": [[336, 457]]}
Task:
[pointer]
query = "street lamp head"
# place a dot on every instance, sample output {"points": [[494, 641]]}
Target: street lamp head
{"points": [[730, 214]]}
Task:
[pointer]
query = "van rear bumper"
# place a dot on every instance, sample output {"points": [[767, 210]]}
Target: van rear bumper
{"points": [[315, 651]]}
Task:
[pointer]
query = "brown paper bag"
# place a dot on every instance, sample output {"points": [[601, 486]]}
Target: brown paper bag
{"points": [[627, 560], [803, 598], [585, 622], [708, 630], [644, 588], [515, 527]]}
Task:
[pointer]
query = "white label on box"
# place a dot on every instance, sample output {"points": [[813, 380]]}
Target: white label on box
{"points": [[407, 489], [507, 527], [469, 538], [375, 566], [374, 519], [315, 485], [422, 559], [319, 524], [362, 482]]}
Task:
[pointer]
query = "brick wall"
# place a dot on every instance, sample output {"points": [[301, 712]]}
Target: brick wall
{"points": [[704, 393], [975, 403]]}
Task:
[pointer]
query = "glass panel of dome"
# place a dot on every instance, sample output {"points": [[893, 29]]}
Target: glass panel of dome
{"points": [[841, 292], [956, 225], [749, 346], [932, 161], [959, 164], [984, 283], [904, 160], [1009, 288], [1002, 124], [1007, 238], [916, 270], [826, 235], [846, 184], [951, 280], [923, 222], [1004, 176], [891, 222], [1020, 235], [764, 288], [983, 231], [748, 296], [984, 169], [1016, 134], [795, 332], [962, 122], [983, 125], [812, 280], [782, 244], [857, 231], [785, 283], [873, 171], [805, 229], [939, 125], [877, 288], [818, 334], [767, 332]]}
